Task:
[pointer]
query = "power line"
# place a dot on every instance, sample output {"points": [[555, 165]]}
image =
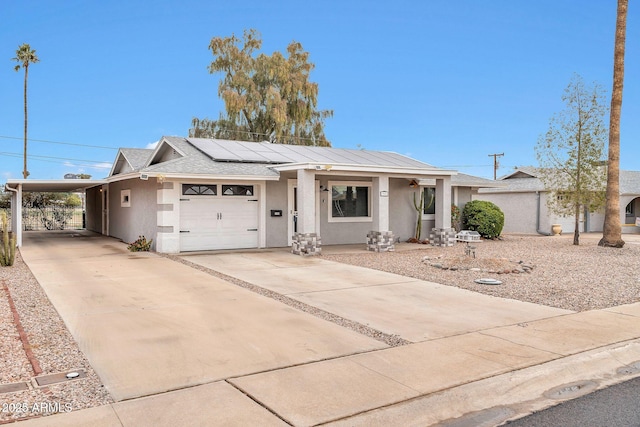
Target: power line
{"points": [[59, 142], [61, 160]]}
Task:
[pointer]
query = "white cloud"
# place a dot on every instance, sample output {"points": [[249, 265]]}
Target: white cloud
{"points": [[103, 165], [152, 145]]}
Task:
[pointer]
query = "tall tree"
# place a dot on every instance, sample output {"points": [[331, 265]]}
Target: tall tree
{"points": [[612, 230], [570, 153], [266, 97], [25, 56]]}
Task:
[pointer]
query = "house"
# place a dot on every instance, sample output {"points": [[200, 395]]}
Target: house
{"points": [[523, 199], [193, 194]]}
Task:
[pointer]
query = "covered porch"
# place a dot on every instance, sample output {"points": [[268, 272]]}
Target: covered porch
{"points": [[339, 199]]}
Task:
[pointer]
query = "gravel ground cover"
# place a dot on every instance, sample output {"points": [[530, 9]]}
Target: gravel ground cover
{"points": [[561, 275], [572, 277], [53, 347]]}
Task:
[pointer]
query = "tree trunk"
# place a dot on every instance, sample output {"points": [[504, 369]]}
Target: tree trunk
{"points": [[612, 231], [25, 172], [576, 231]]}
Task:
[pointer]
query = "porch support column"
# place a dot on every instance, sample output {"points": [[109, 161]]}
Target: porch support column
{"points": [[380, 239], [443, 234], [16, 214], [306, 241]]}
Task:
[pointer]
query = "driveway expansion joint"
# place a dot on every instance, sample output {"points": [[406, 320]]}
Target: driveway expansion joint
{"points": [[258, 402]]}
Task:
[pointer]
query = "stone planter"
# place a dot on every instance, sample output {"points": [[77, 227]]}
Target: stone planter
{"points": [[556, 229]]}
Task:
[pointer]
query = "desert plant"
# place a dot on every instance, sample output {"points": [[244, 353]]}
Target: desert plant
{"points": [[8, 246], [418, 207], [140, 245], [484, 217], [455, 217]]}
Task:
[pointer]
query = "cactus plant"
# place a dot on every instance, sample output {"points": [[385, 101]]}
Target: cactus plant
{"points": [[8, 246], [418, 207]]}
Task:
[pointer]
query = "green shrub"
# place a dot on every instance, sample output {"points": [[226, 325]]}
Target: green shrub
{"points": [[483, 217], [140, 245]]}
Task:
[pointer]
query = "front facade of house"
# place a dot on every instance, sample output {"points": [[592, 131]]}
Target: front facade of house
{"points": [[523, 199], [192, 194]]}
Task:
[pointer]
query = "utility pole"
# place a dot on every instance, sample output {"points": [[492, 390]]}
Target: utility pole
{"points": [[495, 163]]}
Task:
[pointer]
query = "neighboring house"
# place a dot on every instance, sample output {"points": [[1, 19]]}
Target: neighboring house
{"points": [[192, 194], [523, 199]]}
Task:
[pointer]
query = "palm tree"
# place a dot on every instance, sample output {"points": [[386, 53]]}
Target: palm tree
{"points": [[25, 56], [612, 232]]}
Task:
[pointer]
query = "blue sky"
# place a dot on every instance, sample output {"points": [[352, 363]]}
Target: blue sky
{"points": [[447, 83]]}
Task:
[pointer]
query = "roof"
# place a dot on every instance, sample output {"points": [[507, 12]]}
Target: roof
{"points": [[137, 157], [464, 180], [629, 182], [265, 152], [256, 160], [525, 179]]}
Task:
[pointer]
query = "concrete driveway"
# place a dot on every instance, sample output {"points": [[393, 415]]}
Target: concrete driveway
{"points": [[415, 310], [149, 324]]}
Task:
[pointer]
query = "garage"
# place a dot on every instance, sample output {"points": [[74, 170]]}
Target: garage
{"points": [[218, 216]]}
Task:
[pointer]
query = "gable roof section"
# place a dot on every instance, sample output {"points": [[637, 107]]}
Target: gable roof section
{"points": [[130, 160], [522, 172]]}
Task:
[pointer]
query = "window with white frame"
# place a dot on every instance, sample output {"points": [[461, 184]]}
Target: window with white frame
{"points": [[629, 210], [350, 201], [429, 207], [125, 198]]}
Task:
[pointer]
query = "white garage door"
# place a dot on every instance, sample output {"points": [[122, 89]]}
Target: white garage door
{"points": [[218, 222]]}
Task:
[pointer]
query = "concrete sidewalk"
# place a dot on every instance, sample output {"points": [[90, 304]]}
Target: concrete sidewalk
{"points": [[196, 350]]}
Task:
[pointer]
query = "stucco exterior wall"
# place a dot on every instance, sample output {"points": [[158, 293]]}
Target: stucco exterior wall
{"points": [[519, 211], [520, 214], [277, 199], [402, 215], [93, 200], [465, 195], [140, 218]]}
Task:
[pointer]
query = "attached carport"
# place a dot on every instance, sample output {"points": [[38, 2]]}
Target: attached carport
{"points": [[19, 186]]}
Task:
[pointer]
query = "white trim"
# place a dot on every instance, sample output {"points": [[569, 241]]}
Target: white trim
{"points": [[125, 198], [262, 214], [432, 216], [192, 177], [104, 200], [331, 218], [324, 167]]}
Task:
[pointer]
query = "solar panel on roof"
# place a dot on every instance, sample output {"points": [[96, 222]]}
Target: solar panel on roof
{"points": [[264, 152]]}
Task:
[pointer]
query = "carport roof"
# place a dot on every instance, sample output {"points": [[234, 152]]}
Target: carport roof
{"points": [[55, 185]]}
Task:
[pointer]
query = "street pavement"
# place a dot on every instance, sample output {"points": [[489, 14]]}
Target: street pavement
{"points": [[197, 350]]}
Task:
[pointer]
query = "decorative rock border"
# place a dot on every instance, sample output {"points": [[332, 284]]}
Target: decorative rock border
{"points": [[519, 267]]}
